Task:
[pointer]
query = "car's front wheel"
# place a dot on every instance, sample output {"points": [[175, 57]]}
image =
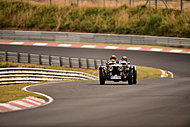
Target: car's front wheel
{"points": [[134, 75], [101, 77], [130, 78]]}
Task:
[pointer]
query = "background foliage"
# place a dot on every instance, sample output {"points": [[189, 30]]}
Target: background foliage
{"points": [[122, 20]]}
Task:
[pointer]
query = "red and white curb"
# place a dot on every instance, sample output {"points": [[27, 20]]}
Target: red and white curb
{"points": [[25, 103], [28, 102], [164, 73], [97, 46]]}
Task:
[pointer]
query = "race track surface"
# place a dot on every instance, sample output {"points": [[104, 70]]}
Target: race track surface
{"points": [[151, 103]]}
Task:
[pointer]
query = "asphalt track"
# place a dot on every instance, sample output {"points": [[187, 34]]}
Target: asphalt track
{"points": [[151, 103]]}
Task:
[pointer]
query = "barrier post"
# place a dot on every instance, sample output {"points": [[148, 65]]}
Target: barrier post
{"points": [[6, 57], [18, 57], [87, 63], [79, 63], [40, 60], [49, 60], [28, 57], [60, 62], [70, 64], [95, 66]]}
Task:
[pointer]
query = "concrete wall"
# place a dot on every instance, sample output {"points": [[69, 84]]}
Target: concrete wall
{"points": [[92, 38]]}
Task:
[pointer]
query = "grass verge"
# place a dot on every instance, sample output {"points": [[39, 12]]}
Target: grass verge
{"points": [[14, 92], [147, 72]]}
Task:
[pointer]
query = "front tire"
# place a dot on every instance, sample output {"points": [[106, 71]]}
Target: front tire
{"points": [[130, 78], [134, 75], [101, 77]]}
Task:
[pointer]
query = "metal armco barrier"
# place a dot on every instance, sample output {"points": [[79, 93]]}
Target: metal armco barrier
{"points": [[51, 60], [93, 38], [36, 75]]}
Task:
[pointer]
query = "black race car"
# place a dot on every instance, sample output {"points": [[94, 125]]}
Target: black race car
{"points": [[115, 71]]}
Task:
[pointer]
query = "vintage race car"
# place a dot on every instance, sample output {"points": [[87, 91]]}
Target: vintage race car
{"points": [[115, 71]]}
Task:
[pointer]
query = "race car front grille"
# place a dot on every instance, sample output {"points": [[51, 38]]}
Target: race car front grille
{"points": [[115, 71]]}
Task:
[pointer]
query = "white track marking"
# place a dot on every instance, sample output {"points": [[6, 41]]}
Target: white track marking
{"points": [[164, 74], [50, 99], [111, 47], [88, 46], [64, 45], [134, 48], [172, 75], [17, 43], [156, 49], [175, 51], [40, 44]]}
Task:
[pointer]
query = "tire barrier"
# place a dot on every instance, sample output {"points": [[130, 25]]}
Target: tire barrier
{"points": [[51, 60]]}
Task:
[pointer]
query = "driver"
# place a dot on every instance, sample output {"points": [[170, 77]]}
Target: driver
{"points": [[123, 60], [112, 59]]}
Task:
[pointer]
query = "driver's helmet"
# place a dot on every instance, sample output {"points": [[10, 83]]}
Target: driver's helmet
{"points": [[113, 58], [124, 58]]}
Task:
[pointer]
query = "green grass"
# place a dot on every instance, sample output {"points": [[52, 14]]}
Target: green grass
{"points": [[147, 72], [121, 20], [14, 92]]}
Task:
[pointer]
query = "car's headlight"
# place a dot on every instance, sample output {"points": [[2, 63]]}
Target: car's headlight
{"points": [[126, 68], [120, 68], [110, 68]]}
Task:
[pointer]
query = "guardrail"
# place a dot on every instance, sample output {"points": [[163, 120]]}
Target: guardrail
{"points": [[93, 38], [36, 75], [51, 60]]}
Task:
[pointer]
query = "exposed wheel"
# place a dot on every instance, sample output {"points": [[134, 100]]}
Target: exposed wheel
{"points": [[134, 75], [130, 77], [101, 77]]}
